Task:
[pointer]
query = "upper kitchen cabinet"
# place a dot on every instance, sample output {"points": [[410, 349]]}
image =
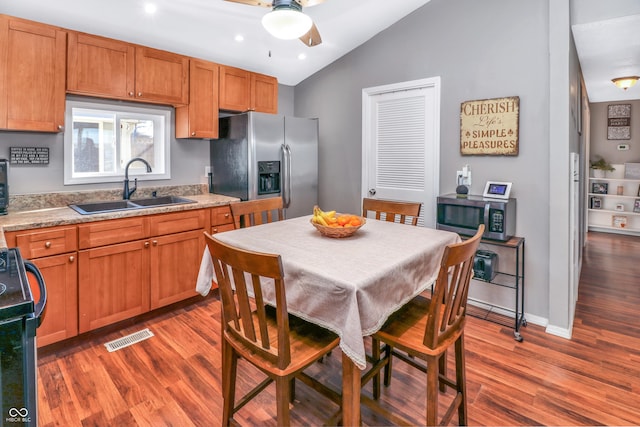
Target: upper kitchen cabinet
{"points": [[242, 90], [199, 119], [264, 93], [32, 75], [102, 67], [161, 77], [108, 68]]}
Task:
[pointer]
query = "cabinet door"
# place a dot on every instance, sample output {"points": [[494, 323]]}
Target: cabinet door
{"points": [[200, 118], [99, 66], [264, 93], [32, 76], [113, 284], [235, 87], [161, 77], [175, 262], [61, 315]]}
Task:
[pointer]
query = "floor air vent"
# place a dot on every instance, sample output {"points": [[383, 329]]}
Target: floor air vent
{"points": [[123, 342]]}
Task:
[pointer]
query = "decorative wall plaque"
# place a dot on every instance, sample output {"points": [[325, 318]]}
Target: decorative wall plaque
{"points": [[490, 127], [29, 155], [619, 121]]}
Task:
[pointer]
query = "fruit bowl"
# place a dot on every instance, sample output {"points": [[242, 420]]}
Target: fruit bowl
{"points": [[338, 232]]}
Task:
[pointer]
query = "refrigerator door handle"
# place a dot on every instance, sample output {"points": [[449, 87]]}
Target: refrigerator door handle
{"points": [[286, 190]]}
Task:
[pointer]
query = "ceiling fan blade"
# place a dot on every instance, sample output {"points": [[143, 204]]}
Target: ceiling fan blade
{"points": [[252, 2], [309, 3], [312, 38]]}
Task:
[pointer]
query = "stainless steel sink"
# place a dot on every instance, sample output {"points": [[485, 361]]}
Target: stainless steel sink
{"points": [[124, 205], [161, 201]]}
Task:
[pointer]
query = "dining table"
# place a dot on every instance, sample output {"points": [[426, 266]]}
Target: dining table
{"points": [[349, 285]]}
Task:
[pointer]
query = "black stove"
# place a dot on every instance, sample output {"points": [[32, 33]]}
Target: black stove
{"points": [[20, 316], [15, 295]]}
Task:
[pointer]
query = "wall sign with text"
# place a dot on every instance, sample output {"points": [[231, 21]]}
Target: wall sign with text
{"points": [[619, 121], [490, 127]]}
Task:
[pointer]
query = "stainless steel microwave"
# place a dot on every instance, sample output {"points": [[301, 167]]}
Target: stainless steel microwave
{"points": [[463, 215]]}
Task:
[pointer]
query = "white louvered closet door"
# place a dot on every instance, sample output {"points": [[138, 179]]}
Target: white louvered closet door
{"points": [[401, 146]]}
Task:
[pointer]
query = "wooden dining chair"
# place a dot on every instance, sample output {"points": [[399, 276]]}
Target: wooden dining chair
{"points": [[266, 336], [425, 329], [256, 212], [394, 211]]}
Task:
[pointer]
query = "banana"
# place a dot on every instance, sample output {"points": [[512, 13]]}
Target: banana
{"points": [[320, 220]]}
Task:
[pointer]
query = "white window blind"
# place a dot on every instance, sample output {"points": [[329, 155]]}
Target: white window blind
{"points": [[400, 158]]}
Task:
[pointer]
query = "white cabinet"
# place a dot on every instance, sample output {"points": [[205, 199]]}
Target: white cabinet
{"points": [[611, 205]]}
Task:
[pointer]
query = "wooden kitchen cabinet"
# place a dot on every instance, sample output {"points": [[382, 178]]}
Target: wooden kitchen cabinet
{"points": [[32, 75], [161, 77], [54, 251], [107, 68], [241, 90], [199, 119], [264, 93], [221, 219], [175, 263], [113, 283], [176, 251], [98, 66]]}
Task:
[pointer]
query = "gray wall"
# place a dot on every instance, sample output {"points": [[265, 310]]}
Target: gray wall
{"points": [[488, 49], [602, 147]]}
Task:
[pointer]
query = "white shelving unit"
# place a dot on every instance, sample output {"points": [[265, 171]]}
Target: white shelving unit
{"points": [[612, 212]]}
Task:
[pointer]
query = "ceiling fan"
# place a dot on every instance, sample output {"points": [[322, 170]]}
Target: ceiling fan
{"points": [[286, 20]]}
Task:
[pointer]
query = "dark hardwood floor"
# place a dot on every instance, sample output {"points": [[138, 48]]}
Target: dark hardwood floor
{"points": [[173, 378]]}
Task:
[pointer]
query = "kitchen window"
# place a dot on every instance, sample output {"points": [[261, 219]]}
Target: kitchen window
{"points": [[100, 139]]}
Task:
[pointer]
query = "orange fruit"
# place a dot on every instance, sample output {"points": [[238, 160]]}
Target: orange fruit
{"points": [[355, 222], [344, 220]]}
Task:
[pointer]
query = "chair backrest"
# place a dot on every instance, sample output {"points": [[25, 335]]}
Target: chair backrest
{"points": [[392, 209], [256, 212], [244, 315], [448, 308]]}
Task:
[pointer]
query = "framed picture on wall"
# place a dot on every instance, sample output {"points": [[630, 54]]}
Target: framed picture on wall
{"points": [[600, 188]]}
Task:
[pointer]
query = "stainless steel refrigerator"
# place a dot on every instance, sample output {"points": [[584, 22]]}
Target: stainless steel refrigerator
{"points": [[266, 155]]}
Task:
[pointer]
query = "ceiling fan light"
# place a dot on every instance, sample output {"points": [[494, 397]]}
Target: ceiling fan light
{"points": [[287, 24], [625, 82]]}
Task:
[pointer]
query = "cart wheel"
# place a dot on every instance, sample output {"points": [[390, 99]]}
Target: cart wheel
{"points": [[518, 337]]}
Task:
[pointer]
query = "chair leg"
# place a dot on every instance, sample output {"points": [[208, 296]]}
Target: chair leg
{"points": [[283, 385], [387, 368], [442, 368], [375, 355], [229, 368], [461, 381], [432, 391]]}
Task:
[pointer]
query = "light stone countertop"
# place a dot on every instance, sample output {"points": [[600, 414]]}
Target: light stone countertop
{"points": [[27, 219]]}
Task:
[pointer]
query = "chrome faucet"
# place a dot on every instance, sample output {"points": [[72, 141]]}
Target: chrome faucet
{"points": [[126, 193]]}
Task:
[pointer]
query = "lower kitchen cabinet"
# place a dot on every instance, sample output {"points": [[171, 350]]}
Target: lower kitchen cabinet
{"points": [[54, 251], [113, 283], [175, 263], [60, 319]]}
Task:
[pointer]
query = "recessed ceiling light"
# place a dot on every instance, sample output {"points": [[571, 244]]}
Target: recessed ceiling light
{"points": [[150, 8], [239, 38], [302, 56]]}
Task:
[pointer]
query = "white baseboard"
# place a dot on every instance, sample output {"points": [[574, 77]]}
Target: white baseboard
{"points": [[558, 331]]}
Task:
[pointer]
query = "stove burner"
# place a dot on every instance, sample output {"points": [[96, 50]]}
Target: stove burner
{"points": [[3, 288]]}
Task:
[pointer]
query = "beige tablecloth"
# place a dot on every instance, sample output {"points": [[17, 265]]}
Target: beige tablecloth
{"points": [[350, 285]]}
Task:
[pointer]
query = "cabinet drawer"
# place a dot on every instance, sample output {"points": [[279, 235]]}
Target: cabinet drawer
{"points": [[46, 242], [177, 222], [221, 215], [102, 233], [222, 227]]}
